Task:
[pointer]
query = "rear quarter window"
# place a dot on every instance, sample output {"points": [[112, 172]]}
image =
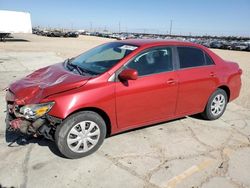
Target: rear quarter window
{"points": [[209, 60], [190, 57]]}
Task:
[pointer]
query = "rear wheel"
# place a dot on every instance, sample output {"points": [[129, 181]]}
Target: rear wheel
{"points": [[216, 105], [80, 134]]}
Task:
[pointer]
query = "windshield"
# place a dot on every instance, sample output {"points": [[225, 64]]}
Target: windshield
{"points": [[102, 58]]}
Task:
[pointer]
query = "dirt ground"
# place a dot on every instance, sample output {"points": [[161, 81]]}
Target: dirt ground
{"points": [[187, 152]]}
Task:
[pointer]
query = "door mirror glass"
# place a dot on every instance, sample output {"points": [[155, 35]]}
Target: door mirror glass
{"points": [[128, 74]]}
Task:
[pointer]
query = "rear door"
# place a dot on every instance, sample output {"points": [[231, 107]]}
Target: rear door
{"points": [[152, 97], [197, 80]]}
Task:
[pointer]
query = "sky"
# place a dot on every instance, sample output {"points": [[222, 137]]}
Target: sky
{"points": [[195, 17]]}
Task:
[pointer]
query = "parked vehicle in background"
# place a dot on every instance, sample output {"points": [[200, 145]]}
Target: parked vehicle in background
{"points": [[216, 44], [227, 43], [119, 86], [248, 48], [206, 43], [14, 22], [240, 46], [55, 33], [71, 34]]}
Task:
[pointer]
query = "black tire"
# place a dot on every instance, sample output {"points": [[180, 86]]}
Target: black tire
{"points": [[208, 114], [62, 133]]}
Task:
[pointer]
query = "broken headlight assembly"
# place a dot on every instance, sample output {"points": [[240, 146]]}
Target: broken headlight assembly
{"points": [[34, 111]]}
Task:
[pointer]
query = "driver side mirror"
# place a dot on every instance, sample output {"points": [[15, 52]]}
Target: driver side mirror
{"points": [[128, 74]]}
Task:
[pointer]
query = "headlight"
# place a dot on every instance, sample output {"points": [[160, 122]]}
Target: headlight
{"points": [[34, 111]]}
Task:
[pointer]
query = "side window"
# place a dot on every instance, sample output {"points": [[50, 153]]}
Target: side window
{"points": [[190, 57], [209, 60], [152, 61]]}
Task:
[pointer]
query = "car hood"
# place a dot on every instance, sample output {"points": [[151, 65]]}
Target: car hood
{"points": [[45, 82]]}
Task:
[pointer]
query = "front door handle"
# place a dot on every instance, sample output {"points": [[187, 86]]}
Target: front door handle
{"points": [[171, 81]]}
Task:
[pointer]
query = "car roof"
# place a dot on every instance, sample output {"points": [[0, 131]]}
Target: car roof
{"points": [[158, 42]]}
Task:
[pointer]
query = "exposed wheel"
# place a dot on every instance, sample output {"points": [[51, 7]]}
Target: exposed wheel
{"points": [[80, 134], [216, 105]]}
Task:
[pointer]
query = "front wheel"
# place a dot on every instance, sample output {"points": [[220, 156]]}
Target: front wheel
{"points": [[216, 105], [80, 134]]}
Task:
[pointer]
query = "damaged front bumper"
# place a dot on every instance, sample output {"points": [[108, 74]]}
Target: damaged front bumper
{"points": [[44, 125]]}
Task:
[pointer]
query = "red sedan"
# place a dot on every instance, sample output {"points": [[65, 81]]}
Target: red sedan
{"points": [[119, 86]]}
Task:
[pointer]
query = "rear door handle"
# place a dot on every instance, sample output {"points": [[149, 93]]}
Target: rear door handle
{"points": [[171, 81], [212, 74]]}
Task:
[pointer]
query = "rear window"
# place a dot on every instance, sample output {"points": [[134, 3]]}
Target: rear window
{"points": [[190, 57]]}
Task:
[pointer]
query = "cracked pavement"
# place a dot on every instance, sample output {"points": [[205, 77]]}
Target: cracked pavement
{"points": [[187, 152]]}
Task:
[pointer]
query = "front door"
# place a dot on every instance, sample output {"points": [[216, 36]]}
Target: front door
{"points": [[152, 97]]}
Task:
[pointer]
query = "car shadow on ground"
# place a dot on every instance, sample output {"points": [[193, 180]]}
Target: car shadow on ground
{"points": [[16, 139], [197, 116], [147, 126], [14, 40]]}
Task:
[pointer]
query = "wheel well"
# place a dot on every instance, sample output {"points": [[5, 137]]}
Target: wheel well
{"points": [[102, 114], [227, 90]]}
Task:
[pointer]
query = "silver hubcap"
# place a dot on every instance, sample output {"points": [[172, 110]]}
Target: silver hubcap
{"points": [[83, 136], [218, 104]]}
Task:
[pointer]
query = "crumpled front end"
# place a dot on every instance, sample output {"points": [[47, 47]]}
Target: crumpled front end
{"points": [[30, 119], [25, 110]]}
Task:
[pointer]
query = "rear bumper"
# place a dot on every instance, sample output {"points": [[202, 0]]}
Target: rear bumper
{"points": [[235, 86]]}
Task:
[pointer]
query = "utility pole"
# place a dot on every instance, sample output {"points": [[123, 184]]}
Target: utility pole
{"points": [[119, 27], [90, 26], [170, 29]]}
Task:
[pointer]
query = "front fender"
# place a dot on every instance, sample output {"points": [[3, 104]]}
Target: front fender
{"points": [[100, 96]]}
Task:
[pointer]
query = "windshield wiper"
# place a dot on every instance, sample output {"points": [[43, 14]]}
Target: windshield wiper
{"points": [[79, 69], [89, 71], [75, 67]]}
